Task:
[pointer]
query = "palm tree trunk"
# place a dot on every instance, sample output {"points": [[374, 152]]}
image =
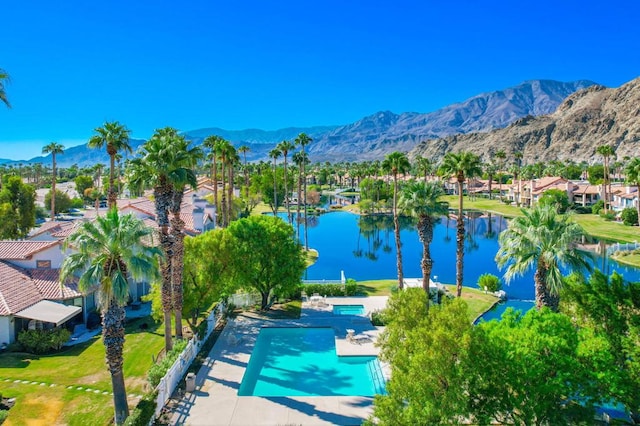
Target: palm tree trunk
{"points": [[298, 204], [425, 232], [223, 204], [286, 192], [230, 199], [543, 296], [111, 197], [459, 242], [113, 338], [214, 180], [396, 225], [166, 290], [177, 259], [53, 188], [275, 189]]}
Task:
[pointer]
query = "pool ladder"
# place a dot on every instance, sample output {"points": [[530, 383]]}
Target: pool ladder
{"points": [[376, 374]]}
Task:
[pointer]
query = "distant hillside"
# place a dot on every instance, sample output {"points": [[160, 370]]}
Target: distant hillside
{"points": [[384, 132], [585, 120]]}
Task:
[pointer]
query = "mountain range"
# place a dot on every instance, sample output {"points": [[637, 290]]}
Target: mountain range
{"points": [[585, 120], [378, 134]]}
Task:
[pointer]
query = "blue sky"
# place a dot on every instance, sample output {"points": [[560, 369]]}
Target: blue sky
{"points": [[273, 64]]}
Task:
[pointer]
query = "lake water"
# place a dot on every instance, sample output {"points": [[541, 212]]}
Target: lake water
{"points": [[364, 248]]}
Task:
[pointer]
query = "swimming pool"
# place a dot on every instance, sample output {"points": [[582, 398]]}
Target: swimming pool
{"points": [[348, 309], [303, 362]]}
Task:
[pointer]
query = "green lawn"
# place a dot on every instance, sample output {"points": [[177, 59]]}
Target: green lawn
{"points": [[80, 365], [483, 204], [477, 300]]}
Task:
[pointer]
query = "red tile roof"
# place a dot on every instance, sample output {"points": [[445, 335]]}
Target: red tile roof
{"points": [[23, 250], [56, 229]]}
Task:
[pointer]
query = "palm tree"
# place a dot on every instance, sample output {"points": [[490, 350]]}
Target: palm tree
{"points": [[396, 163], [285, 147], [500, 155], [420, 199], [214, 143], [243, 150], [544, 237], [632, 171], [302, 141], [232, 160], [115, 137], [165, 164], [424, 166], [461, 165], [108, 252], [226, 153], [606, 151], [4, 78], [53, 148], [275, 153]]}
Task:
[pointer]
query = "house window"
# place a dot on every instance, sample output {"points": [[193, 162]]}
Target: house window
{"points": [[43, 264]]}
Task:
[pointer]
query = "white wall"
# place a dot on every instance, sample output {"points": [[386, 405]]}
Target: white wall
{"points": [[54, 254], [6, 330]]}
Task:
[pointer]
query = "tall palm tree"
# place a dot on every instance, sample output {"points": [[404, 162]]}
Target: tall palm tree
{"points": [[108, 252], [461, 165], [632, 171], [214, 143], [164, 163], [285, 147], [275, 153], [396, 163], [226, 154], [233, 159], [606, 151], [53, 148], [545, 238], [115, 137], [243, 149], [421, 200], [4, 78], [424, 166], [302, 141], [501, 156]]}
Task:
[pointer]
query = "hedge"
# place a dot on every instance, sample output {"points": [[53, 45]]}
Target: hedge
{"points": [[348, 289]]}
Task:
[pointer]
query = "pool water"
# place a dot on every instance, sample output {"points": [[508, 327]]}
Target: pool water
{"points": [[303, 362], [348, 309]]}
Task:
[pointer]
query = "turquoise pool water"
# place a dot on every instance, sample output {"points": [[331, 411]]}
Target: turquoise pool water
{"points": [[303, 362], [348, 309]]}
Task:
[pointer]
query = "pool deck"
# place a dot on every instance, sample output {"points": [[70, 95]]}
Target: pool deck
{"points": [[216, 401]]}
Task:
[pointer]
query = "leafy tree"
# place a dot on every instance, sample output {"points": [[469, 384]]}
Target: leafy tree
{"points": [[427, 354], [527, 370], [544, 238], [632, 171], [4, 78], [462, 166], [115, 137], [609, 307], [596, 174], [108, 252], [421, 200], [629, 216], [272, 189], [62, 201], [397, 163], [556, 198], [53, 148], [17, 208], [266, 256], [83, 182], [489, 282]]}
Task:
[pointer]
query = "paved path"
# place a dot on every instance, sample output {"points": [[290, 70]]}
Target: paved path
{"points": [[76, 387]]}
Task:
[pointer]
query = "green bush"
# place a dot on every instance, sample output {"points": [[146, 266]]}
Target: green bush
{"points": [[348, 289], [629, 216], [43, 341], [608, 216], [157, 371], [579, 209], [3, 415], [597, 207], [378, 318], [489, 282], [144, 411]]}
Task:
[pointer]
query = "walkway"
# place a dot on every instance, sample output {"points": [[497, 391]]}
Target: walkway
{"points": [[216, 400]]}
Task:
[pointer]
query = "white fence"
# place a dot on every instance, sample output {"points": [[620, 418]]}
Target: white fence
{"points": [[170, 381], [242, 300], [622, 247]]}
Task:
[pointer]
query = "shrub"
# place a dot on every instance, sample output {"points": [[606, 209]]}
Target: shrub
{"points": [[3, 415], [579, 209], [43, 341], [609, 216], [597, 207], [629, 216], [157, 371], [142, 414], [489, 282], [351, 287], [348, 289], [378, 319]]}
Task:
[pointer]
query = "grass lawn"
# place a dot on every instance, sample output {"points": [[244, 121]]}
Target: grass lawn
{"points": [[484, 204], [81, 365], [477, 300]]}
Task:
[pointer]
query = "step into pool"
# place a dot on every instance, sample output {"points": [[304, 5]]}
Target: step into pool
{"points": [[348, 309]]}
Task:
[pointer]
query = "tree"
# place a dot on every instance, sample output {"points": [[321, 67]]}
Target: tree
{"points": [[243, 150], [501, 156], [606, 151], [115, 137], [275, 153], [396, 163], [214, 143], [17, 209], [609, 308], [53, 148], [267, 256], [557, 198], [4, 78], [526, 370], [302, 141], [632, 171], [544, 238], [461, 166], [427, 353], [424, 166], [62, 202], [285, 147], [108, 252], [83, 182], [421, 200], [629, 216]]}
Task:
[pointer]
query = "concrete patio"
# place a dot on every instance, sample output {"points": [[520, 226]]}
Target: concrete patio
{"points": [[216, 401]]}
